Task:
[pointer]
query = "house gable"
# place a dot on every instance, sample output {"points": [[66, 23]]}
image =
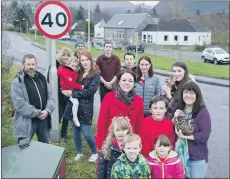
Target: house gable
{"points": [[126, 21]]}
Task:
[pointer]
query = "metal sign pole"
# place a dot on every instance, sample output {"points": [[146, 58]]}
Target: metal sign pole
{"points": [[51, 54], [88, 26]]}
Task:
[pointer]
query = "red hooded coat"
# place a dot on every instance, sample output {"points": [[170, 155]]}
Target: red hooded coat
{"points": [[68, 78]]}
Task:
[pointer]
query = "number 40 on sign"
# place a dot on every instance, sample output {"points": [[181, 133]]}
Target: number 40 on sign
{"points": [[53, 19]]}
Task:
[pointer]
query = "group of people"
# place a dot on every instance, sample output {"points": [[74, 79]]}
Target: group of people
{"points": [[136, 135]]}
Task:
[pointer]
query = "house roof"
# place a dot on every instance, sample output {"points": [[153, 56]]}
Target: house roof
{"points": [[126, 20], [80, 26], [197, 26], [176, 25]]}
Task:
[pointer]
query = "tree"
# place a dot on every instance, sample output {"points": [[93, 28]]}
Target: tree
{"points": [[198, 12], [73, 12], [80, 15], [8, 12], [28, 10], [97, 9], [91, 28], [20, 20], [176, 9]]}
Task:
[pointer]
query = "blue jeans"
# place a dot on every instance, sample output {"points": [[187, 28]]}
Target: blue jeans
{"points": [[40, 127], [198, 168], [86, 131]]}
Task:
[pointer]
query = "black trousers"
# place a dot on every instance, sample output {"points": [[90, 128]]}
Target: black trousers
{"points": [[103, 91]]}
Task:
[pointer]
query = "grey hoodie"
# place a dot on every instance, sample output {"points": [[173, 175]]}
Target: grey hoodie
{"points": [[24, 112]]}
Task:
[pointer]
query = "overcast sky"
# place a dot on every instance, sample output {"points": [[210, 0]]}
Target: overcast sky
{"points": [[149, 3]]}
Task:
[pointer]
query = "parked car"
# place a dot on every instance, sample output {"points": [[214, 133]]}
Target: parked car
{"points": [[215, 55], [116, 45], [65, 37], [98, 44], [132, 48]]}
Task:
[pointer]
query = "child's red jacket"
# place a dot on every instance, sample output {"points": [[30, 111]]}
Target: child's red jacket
{"points": [[68, 78]]}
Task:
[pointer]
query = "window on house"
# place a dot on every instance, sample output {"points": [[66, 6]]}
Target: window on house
{"points": [[144, 38], [185, 38], [165, 38], [149, 39], [123, 35], [176, 38]]}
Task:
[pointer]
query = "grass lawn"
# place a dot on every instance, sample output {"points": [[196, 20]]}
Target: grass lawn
{"points": [[164, 63]]}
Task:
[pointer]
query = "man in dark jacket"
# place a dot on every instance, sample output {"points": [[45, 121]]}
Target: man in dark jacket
{"points": [[129, 61], [109, 65], [33, 102]]}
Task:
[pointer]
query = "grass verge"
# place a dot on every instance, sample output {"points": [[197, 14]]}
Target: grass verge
{"points": [[163, 63], [80, 169]]}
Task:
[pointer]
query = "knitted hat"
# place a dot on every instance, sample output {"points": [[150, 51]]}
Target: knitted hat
{"points": [[77, 42]]}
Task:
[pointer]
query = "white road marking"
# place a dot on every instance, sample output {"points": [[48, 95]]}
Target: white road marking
{"points": [[22, 50]]}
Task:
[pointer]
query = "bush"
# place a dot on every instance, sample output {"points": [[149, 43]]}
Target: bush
{"points": [[32, 31], [8, 74], [199, 48], [11, 28]]}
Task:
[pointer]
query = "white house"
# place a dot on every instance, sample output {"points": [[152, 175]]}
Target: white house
{"points": [[99, 29], [176, 32]]}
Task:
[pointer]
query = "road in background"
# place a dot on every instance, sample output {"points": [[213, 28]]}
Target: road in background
{"points": [[216, 98]]}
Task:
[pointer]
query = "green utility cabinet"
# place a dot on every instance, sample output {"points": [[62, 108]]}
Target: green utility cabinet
{"points": [[39, 160]]}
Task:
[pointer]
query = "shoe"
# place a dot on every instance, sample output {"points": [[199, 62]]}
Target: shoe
{"points": [[93, 158], [65, 138], [78, 157]]}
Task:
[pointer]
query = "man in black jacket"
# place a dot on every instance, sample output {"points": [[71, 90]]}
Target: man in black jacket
{"points": [[33, 102]]}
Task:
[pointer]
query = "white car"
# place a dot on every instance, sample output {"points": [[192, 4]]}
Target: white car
{"points": [[216, 55]]}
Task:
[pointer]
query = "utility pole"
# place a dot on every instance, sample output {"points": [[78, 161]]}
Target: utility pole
{"points": [[53, 82], [88, 26]]}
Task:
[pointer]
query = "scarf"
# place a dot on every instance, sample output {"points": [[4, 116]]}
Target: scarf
{"points": [[127, 99]]}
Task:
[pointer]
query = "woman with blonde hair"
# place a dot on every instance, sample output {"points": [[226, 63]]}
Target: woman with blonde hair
{"points": [[90, 78], [63, 57], [112, 148]]}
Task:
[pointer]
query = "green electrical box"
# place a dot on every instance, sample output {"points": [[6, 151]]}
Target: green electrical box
{"points": [[39, 160]]}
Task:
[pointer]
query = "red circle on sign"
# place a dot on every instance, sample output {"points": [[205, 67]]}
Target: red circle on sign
{"points": [[40, 28]]}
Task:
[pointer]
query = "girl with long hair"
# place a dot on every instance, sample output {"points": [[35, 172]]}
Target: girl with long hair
{"points": [[112, 147]]}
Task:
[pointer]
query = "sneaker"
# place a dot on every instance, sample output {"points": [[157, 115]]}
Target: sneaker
{"points": [[93, 158], [78, 157]]}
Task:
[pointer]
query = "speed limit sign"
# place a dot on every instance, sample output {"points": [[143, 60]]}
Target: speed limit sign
{"points": [[53, 19]]}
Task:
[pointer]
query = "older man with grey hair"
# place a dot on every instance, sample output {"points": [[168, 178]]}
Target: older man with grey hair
{"points": [[33, 102]]}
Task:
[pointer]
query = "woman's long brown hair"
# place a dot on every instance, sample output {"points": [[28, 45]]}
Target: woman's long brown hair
{"points": [[93, 68]]}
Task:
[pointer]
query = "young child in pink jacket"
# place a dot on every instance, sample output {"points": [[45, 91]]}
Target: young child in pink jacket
{"points": [[163, 161]]}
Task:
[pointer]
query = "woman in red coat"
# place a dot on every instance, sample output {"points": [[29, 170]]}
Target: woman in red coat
{"points": [[124, 102]]}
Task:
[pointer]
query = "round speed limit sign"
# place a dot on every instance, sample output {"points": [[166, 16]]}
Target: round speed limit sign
{"points": [[53, 19]]}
